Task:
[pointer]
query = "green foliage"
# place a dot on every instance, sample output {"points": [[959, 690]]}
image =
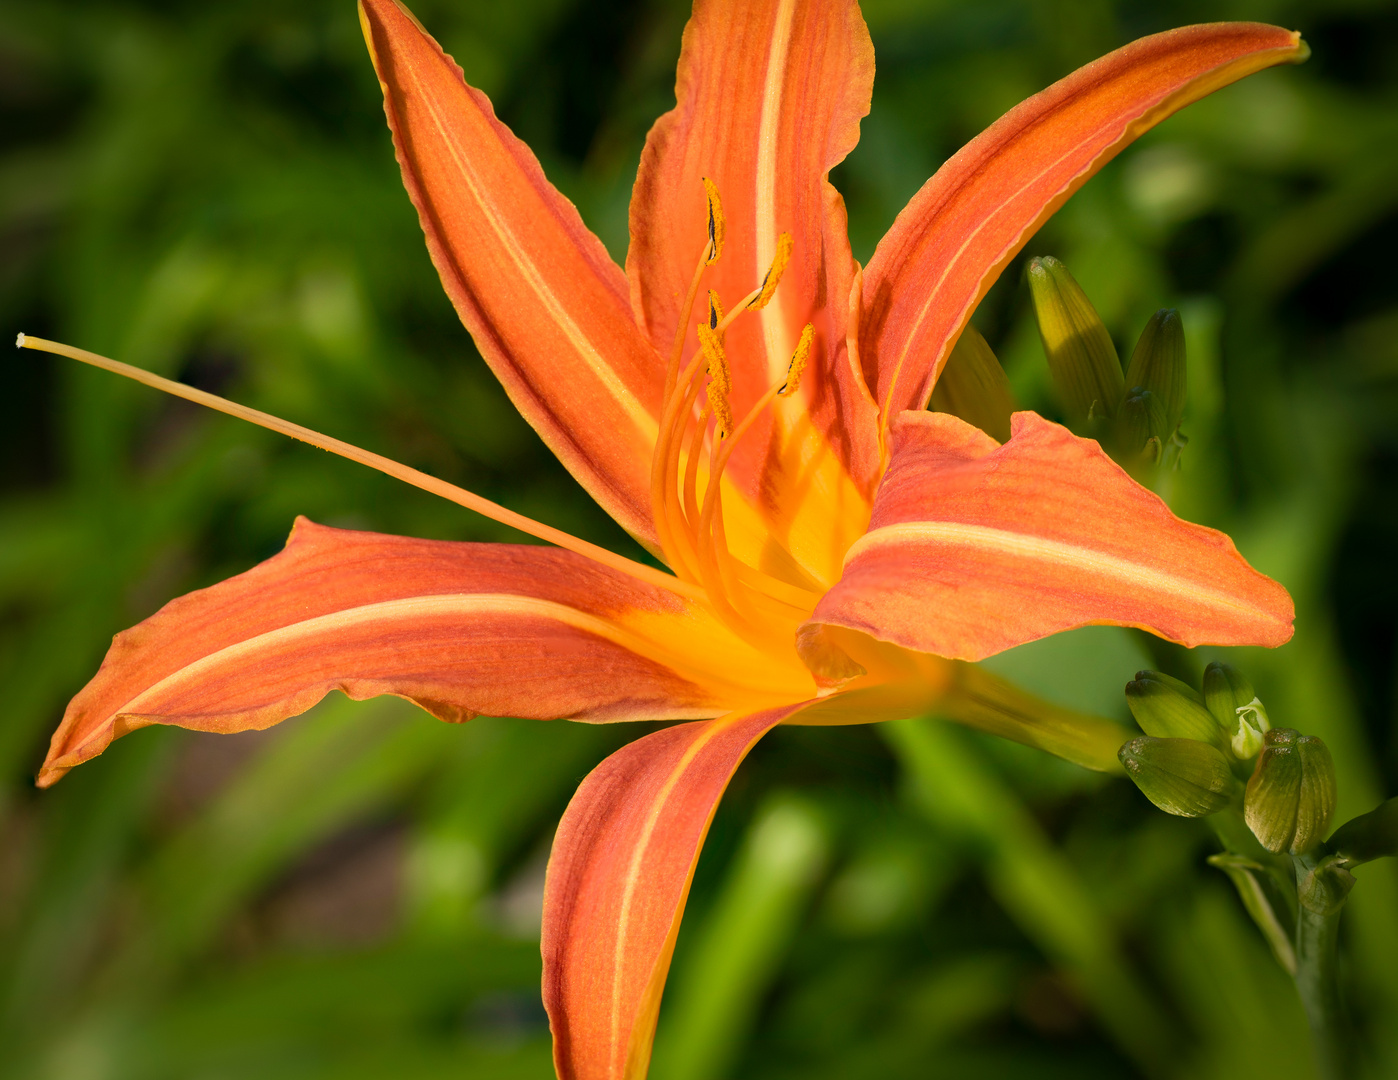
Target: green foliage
{"points": [[208, 190]]}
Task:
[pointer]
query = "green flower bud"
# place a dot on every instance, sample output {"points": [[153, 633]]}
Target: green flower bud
{"points": [[1236, 707], [1158, 368], [1318, 794], [1181, 776], [1169, 709], [1291, 796], [973, 386], [1081, 356], [1138, 432]]}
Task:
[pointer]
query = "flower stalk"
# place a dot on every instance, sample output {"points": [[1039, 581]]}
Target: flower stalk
{"points": [[1292, 882]]}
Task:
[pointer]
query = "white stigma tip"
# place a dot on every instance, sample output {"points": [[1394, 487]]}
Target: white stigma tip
{"points": [[19, 341]]}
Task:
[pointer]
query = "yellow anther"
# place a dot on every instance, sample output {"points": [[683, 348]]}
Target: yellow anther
{"points": [[715, 310], [798, 362], [774, 272], [723, 411], [716, 222], [713, 352], [720, 384]]}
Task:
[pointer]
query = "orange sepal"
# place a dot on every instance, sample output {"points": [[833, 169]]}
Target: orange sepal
{"points": [[970, 219], [975, 547], [617, 881], [460, 629], [547, 307]]}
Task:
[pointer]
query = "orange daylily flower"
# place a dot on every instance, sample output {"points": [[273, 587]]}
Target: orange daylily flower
{"points": [[750, 405]]}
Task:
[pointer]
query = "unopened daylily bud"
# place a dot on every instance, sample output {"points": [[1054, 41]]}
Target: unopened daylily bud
{"points": [[1138, 431], [1318, 794], [1081, 356], [1169, 709], [1181, 776], [973, 386], [1158, 368], [1291, 796], [1236, 707]]}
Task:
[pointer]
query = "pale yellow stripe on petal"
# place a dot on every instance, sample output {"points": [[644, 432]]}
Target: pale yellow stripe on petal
{"points": [[768, 139], [633, 873], [646, 424], [425, 607], [1021, 546]]}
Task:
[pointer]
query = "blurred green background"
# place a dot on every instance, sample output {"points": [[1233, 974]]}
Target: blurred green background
{"points": [[207, 189]]}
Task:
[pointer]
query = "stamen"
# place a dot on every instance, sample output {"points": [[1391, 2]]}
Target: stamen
{"points": [[774, 272], [715, 310], [720, 384], [673, 367], [716, 221], [388, 466], [798, 362], [691, 466], [660, 479], [743, 305], [686, 560]]}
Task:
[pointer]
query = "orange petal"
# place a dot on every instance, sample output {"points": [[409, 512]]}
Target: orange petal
{"points": [[546, 305], [975, 547], [770, 94], [461, 629], [952, 240], [617, 882]]}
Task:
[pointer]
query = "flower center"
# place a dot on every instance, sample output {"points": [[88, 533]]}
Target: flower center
{"points": [[696, 441]]}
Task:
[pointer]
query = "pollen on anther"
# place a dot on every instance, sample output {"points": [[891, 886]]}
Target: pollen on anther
{"points": [[774, 272], [716, 221], [713, 353], [715, 310], [720, 384], [798, 362]]}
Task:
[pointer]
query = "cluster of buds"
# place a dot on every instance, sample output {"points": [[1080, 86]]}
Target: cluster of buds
{"points": [[1203, 753], [1135, 415]]}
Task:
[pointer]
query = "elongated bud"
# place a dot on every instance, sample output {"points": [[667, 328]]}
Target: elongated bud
{"points": [[1235, 705], [1291, 796], [973, 386], [1169, 709], [1081, 356], [717, 225], [1181, 776], [1158, 368]]}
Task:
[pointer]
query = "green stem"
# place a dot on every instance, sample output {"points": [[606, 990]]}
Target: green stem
{"points": [[1316, 937], [1322, 888]]}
